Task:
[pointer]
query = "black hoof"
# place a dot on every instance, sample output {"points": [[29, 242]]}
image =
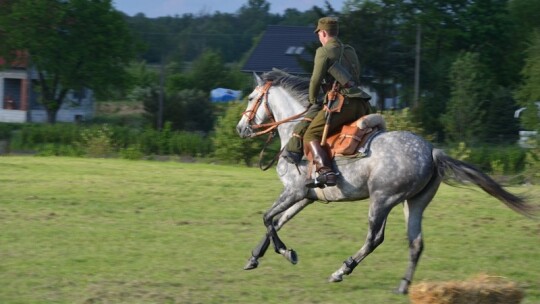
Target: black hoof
{"points": [[251, 264], [403, 288], [291, 256]]}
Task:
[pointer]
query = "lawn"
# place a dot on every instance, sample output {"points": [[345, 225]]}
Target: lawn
{"points": [[77, 230]]}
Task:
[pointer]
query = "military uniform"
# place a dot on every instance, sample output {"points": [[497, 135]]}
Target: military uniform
{"points": [[355, 103]]}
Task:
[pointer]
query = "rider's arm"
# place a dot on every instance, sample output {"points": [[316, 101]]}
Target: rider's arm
{"points": [[320, 67]]}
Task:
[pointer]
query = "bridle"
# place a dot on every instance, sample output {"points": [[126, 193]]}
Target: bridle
{"points": [[267, 128], [262, 99]]}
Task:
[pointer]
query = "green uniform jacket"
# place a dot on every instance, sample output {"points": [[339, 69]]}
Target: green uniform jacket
{"points": [[356, 101], [324, 58]]}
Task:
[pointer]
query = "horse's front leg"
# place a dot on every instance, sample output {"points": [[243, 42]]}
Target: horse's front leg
{"points": [[378, 213], [282, 219]]}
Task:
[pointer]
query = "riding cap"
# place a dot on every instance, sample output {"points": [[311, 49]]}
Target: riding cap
{"points": [[327, 24]]}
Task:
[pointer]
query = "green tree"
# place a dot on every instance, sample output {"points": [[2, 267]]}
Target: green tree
{"points": [[208, 72], [464, 115], [528, 94], [228, 145], [189, 110], [499, 125], [382, 55], [524, 14], [72, 44]]}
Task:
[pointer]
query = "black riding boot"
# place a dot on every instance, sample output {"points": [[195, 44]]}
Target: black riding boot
{"points": [[323, 167]]}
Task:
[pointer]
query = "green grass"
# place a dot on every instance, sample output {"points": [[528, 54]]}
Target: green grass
{"points": [[114, 231]]}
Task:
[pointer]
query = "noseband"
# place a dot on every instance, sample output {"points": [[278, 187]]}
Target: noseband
{"points": [[273, 124]]}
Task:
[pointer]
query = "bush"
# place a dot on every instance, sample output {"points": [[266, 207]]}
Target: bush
{"points": [[495, 159], [97, 141], [403, 120], [104, 140]]}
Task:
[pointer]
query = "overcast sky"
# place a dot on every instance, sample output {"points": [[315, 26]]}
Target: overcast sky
{"points": [[160, 8]]}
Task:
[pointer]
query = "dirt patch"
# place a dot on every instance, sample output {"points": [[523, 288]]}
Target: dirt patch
{"points": [[119, 108]]}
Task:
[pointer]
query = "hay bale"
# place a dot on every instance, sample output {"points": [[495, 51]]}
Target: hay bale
{"points": [[482, 289]]}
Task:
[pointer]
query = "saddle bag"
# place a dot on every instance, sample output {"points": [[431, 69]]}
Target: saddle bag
{"points": [[348, 141]]}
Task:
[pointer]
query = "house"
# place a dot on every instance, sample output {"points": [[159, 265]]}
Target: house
{"points": [[288, 48], [19, 99]]}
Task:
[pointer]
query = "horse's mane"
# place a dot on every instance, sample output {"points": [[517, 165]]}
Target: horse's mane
{"points": [[297, 86]]}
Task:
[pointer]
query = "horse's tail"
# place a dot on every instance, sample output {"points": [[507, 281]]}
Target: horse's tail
{"points": [[463, 172]]}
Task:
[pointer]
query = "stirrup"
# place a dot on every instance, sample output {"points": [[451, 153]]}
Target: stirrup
{"points": [[327, 179]]}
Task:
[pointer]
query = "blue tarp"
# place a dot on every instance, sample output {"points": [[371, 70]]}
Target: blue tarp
{"points": [[224, 95]]}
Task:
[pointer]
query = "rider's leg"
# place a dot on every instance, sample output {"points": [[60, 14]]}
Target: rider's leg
{"points": [[323, 166], [293, 151]]}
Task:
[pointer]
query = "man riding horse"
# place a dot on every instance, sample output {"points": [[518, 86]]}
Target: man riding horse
{"points": [[335, 66]]}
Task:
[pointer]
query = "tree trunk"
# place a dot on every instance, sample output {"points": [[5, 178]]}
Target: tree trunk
{"points": [[51, 115]]}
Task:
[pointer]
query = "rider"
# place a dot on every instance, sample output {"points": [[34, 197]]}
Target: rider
{"points": [[355, 104]]}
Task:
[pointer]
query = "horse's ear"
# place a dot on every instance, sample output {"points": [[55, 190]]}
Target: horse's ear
{"points": [[258, 79]]}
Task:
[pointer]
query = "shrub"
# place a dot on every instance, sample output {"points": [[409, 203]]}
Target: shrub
{"points": [[97, 141]]}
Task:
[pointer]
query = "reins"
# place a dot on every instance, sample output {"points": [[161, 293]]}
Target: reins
{"points": [[268, 128], [261, 154]]}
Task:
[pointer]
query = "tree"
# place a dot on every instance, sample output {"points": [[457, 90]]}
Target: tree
{"points": [[228, 145], [72, 44], [528, 94], [372, 29], [470, 86], [189, 110]]}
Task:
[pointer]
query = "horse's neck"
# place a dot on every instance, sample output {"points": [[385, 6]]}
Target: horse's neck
{"points": [[286, 107], [285, 132]]}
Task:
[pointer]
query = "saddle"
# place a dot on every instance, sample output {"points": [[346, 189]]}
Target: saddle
{"points": [[352, 138]]}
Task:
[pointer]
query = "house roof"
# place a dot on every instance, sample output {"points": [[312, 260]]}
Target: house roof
{"points": [[282, 47]]}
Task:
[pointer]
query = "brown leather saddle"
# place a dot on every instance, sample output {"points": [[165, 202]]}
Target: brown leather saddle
{"points": [[352, 138]]}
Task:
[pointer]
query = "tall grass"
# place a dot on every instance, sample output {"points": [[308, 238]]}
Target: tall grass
{"points": [[77, 230]]}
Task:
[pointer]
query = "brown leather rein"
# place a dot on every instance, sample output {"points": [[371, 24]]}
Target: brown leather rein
{"points": [[268, 128]]}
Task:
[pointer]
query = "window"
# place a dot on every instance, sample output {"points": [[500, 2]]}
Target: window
{"points": [[294, 50]]}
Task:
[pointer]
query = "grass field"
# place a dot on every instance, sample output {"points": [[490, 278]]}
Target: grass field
{"points": [[78, 230]]}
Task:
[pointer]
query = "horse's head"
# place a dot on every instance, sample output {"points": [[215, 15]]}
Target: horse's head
{"points": [[266, 111], [257, 111]]}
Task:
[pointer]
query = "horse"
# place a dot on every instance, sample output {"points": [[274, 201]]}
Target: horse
{"points": [[400, 167]]}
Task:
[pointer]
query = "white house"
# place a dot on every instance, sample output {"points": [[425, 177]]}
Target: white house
{"points": [[18, 99]]}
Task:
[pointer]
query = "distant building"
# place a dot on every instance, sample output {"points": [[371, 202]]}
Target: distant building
{"points": [[18, 99], [288, 48]]}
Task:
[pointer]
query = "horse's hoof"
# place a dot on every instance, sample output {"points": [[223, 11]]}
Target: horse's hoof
{"points": [[290, 255], [400, 291], [403, 288], [251, 264], [335, 278]]}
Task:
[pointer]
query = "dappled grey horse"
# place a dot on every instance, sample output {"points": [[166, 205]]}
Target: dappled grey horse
{"points": [[399, 168]]}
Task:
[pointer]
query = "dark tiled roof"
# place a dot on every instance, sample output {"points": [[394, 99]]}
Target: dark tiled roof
{"points": [[281, 47]]}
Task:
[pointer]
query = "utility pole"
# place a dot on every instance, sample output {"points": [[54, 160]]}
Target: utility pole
{"points": [[417, 65], [161, 95]]}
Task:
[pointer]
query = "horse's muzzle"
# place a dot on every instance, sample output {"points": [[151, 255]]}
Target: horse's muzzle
{"points": [[244, 131]]}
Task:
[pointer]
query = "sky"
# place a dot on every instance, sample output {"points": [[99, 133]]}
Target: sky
{"points": [[161, 8]]}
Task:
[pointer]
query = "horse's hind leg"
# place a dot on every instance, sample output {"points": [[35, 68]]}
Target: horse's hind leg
{"points": [[414, 209], [282, 219], [378, 212]]}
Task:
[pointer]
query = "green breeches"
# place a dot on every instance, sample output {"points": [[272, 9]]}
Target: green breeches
{"points": [[295, 143], [351, 110]]}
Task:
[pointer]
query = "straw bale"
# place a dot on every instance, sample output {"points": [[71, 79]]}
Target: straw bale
{"points": [[482, 289]]}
